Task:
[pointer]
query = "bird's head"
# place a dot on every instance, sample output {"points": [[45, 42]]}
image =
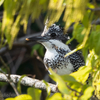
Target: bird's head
{"points": [[53, 35]]}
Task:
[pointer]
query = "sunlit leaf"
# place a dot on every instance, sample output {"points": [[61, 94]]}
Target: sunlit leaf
{"points": [[60, 82], [82, 74], [87, 93], [21, 97], [34, 93], [1, 2], [10, 99], [56, 96]]}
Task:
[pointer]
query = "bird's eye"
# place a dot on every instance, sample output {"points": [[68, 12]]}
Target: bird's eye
{"points": [[53, 34]]}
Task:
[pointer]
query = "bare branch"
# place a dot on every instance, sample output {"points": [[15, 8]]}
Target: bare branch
{"points": [[95, 9], [26, 81]]}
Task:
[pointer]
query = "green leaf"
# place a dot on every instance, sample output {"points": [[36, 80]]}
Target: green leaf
{"points": [[10, 99], [47, 88], [41, 50], [85, 20], [18, 85], [60, 82], [34, 93], [78, 32], [35, 47], [94, 39], [42, 1], [82, 74], [56, 96], [87, 93], [21, 97], [68, 78]]}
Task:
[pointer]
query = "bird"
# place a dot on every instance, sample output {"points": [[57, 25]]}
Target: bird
{"points": [[54, 40]]}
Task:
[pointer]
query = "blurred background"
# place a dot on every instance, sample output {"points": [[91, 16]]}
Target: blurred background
{"points": [[27, 57]]}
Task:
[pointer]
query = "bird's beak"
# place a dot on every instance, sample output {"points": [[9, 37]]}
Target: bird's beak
{"points": [[37, 39]]}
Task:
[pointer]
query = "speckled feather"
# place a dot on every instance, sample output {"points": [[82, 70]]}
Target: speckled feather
{"points": [[77, 60]]}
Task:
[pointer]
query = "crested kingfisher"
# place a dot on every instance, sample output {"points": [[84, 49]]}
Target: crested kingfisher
{"points": [[53, 39]]}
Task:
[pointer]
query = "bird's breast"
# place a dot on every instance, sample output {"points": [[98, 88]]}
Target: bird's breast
{"points": [[58, 63]]}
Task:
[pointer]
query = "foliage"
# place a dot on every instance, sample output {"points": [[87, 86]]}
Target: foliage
{"points": [[73, 86], [21, 97], [24, 9], [32, 94], [38, 48]]}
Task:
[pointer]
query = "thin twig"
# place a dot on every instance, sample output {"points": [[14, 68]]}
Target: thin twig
{"points": [[37, 56], [8, 76], [13, 86], [74, 90], [5, 65]]}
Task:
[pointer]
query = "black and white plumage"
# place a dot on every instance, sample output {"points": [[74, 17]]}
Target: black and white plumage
{"points": [[54, 40]]}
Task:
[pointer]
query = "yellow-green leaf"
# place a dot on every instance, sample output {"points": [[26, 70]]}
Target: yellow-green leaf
{"points": [[68, 78], [60, 82], [10, 99], [56, 96], [34, 93], [18, 85], [87, 93], [47, 88], [21, 97], [82, 74]]}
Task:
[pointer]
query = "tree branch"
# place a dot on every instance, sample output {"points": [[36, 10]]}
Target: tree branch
{"points": [[95, 9], [26, 81]]}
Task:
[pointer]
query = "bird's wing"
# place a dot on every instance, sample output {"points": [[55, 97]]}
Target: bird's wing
{"points": [[77, 60]]}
